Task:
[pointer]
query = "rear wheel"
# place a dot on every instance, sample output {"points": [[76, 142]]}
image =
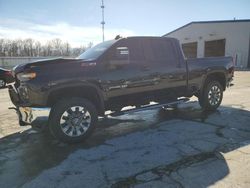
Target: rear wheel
{"points": [[2, 83], [73, 120], [211, 97]]}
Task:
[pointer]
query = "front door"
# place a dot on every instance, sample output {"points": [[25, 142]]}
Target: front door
{"points": [[125, 72]]}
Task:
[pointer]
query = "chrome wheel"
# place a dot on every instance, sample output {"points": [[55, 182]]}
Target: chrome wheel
{"points": [[211, 96], [75, 121], [214, 95]]}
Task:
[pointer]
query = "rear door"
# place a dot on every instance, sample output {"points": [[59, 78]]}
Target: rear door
{"points": [[163, 60]]}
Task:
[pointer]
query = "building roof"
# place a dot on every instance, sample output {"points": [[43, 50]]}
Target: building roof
{"points": [[208, 22]]}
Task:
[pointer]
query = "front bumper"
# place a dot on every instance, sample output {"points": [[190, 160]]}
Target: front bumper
{"points": [[36, 117], [27, 95]]}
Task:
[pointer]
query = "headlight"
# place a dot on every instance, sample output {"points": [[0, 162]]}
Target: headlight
{"points": [[26, 76]]}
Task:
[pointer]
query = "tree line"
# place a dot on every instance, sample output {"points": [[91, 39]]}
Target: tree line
{"points": [[33, 48]]}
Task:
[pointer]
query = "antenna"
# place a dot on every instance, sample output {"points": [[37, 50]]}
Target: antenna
{"points": [[103, 22]]}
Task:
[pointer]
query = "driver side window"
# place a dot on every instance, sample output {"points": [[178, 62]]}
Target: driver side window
{"points": [[119, 56], [122, 53]]}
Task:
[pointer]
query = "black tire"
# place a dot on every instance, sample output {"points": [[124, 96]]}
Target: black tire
{"points": [[69, 117], [211, 97], [2, 83]]}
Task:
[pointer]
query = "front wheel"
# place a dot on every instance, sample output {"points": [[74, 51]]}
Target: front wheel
{"points": [[212, 95], [72, 120]]}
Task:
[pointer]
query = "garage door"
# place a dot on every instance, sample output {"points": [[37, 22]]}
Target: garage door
{"points": [[215, 48], [190, 49]]}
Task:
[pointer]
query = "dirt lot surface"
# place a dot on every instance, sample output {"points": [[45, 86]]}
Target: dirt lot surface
{"points": [[182, 148]]}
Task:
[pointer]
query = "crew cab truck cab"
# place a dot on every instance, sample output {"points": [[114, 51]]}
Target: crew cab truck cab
{"points": [[114, 74]]}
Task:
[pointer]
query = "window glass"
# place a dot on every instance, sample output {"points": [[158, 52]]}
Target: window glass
{"points": [[159, 51], [130, 48], [96, 51], [122, 53], [119, 51], [135, 49]]}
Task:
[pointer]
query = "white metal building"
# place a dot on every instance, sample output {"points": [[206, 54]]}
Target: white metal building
{"points": [[216, 38]]}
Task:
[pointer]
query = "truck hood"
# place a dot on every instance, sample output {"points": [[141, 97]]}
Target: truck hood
{"points": [[40, 63]]}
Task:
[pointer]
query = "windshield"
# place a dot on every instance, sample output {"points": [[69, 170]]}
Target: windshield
{"points": [[96, 51]]}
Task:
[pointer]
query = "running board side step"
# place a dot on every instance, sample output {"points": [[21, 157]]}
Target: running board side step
{"points": [[150, 107]]}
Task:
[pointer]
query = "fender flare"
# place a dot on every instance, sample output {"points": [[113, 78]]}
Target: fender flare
{"points": [[70, 86]]}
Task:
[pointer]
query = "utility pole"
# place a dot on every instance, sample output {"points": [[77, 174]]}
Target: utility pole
{"points": [[103, 22]]}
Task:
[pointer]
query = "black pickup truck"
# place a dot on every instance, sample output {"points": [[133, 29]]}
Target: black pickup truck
{"points": [[131, 71]]}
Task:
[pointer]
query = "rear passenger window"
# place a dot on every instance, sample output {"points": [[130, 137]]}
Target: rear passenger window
{"points": [[160, 51]]}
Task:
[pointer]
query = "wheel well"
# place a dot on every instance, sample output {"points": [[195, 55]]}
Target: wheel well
{"points": [[86, 92], [220, 77]]}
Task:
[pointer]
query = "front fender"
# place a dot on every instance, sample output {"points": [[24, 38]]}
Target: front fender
{"points": [[86, 89]]}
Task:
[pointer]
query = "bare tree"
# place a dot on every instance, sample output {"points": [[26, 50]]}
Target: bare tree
{"points": [[30, 47], [37, 48], [13, 48], [20, 47], [2, 47], [48, 48], [90, 44], [57, 47], [66, 49]]}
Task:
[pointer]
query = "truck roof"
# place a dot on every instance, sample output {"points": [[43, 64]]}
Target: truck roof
{"points": [[150, 37], [153, 37]]}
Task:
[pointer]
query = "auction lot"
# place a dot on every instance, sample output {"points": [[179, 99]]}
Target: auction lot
{"points": [[156, 148]]}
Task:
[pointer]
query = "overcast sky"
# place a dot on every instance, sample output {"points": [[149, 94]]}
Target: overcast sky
{"points": [[78, 21]]}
